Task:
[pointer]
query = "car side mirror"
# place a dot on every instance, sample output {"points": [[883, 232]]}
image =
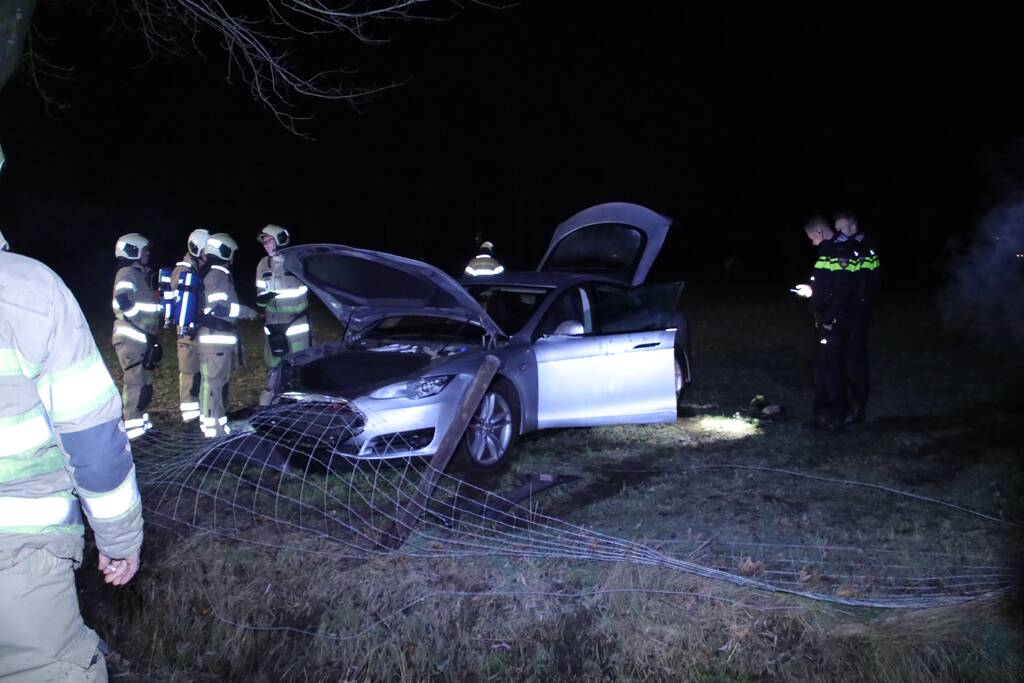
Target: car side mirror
{"points": [[570, 328]]}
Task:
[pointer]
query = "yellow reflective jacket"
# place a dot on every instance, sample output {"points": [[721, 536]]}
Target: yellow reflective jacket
{"points": [[291, 300], [221, 309], [63, 447], [137, 310]]}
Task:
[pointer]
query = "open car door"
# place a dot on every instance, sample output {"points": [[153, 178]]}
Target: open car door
{"points": [[617, 239], [600, 371]]}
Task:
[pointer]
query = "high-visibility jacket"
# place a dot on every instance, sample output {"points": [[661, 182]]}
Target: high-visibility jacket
{"points": [[832, 282], [137, 310], [869, 271], [60, 424], [291, 301], [221, 309], [188, 264]]}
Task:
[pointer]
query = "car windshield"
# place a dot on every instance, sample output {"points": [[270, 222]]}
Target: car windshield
{"points": [[424, 327], [510, 307]]}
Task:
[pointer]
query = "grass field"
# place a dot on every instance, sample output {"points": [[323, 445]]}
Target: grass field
{"points": [[945, 423]]}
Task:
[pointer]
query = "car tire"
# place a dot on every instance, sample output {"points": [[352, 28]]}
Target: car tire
{"points": [[492, 431], [682, 372]]}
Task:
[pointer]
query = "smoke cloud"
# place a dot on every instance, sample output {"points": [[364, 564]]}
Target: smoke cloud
{"points": [[983, 294]]}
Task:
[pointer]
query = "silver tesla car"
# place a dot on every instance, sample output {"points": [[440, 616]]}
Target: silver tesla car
{"points": [[581, 342]]}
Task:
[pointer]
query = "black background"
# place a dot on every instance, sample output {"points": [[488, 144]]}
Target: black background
{"points": [[739, 122]]}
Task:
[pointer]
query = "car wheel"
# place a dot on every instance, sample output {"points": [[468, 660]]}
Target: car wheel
{"points": [[492, 430], [682, 368]]}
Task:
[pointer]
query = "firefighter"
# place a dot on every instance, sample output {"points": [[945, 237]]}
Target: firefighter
{"points": [[64, 451], [218, 332], [829, 295], [284, 300], [185, 273], [484, 262], [137, 312], [866, 275]]}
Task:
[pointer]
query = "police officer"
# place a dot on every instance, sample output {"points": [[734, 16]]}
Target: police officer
{"points": [[865, 269], [185, 272], [484, 262], [218, 332], [137, 313], [829, 294], [283, 298], [61, 437]]}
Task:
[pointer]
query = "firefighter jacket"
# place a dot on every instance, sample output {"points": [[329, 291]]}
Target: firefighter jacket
{"points": [[484, 264], [188, 264], [60, 425], [291, 300], [832, 283], [219, 322], [137, 310]]}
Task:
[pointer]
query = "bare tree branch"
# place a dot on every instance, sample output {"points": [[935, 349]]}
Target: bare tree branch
{"points": [[263, 41]]}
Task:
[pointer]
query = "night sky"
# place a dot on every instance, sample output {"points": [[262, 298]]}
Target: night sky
{"points": [[739, 123]]}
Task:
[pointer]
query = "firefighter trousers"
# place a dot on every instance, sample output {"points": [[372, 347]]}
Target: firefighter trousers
{"points": [[830, 402], [215, 370], [137, 389], [189, 379], [42, 635]]}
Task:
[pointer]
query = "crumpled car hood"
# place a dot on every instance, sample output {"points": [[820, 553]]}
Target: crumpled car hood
{"points": [[361, 286]]}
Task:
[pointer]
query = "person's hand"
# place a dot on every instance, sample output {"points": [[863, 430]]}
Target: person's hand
{"points": [[119, 572], [803, 291]]}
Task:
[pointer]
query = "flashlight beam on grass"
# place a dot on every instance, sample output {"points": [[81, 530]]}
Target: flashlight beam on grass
{"points": [[728, 426]]}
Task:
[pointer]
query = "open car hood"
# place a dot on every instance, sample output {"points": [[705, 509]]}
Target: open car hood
{"points": [[360, 286], [616, 239]]}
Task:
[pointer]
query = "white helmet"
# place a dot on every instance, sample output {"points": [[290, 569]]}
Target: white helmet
{"points": [[221, 245], [279, 234], [487, 246], [197, 241], [130, 246]]}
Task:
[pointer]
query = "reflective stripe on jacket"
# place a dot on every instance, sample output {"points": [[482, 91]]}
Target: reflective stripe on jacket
{"points": [[60, 424], [221, 309], [291, 299]]}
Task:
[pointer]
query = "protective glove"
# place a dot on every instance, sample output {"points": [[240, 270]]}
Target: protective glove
{"points": [[265, 298]]}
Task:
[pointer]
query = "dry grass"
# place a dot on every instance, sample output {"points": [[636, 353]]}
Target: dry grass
{"points": [[940, 426]]}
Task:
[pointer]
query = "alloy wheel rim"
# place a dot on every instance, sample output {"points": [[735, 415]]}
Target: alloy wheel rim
{"points": [[490, 431]]}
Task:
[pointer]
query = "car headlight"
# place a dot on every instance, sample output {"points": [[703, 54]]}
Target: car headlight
{"points": [[417, 388]]}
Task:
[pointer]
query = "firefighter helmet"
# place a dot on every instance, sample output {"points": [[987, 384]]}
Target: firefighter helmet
{"points": [[130, 246], [221, 245], [280, 235], [487, 246], [197, 241]]}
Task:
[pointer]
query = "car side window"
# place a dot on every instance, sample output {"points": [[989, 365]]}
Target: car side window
{"points": [[571, 305], [621, 309]]}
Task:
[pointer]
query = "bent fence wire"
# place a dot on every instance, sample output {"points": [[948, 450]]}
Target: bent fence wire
{"points": [[289, 478]]}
